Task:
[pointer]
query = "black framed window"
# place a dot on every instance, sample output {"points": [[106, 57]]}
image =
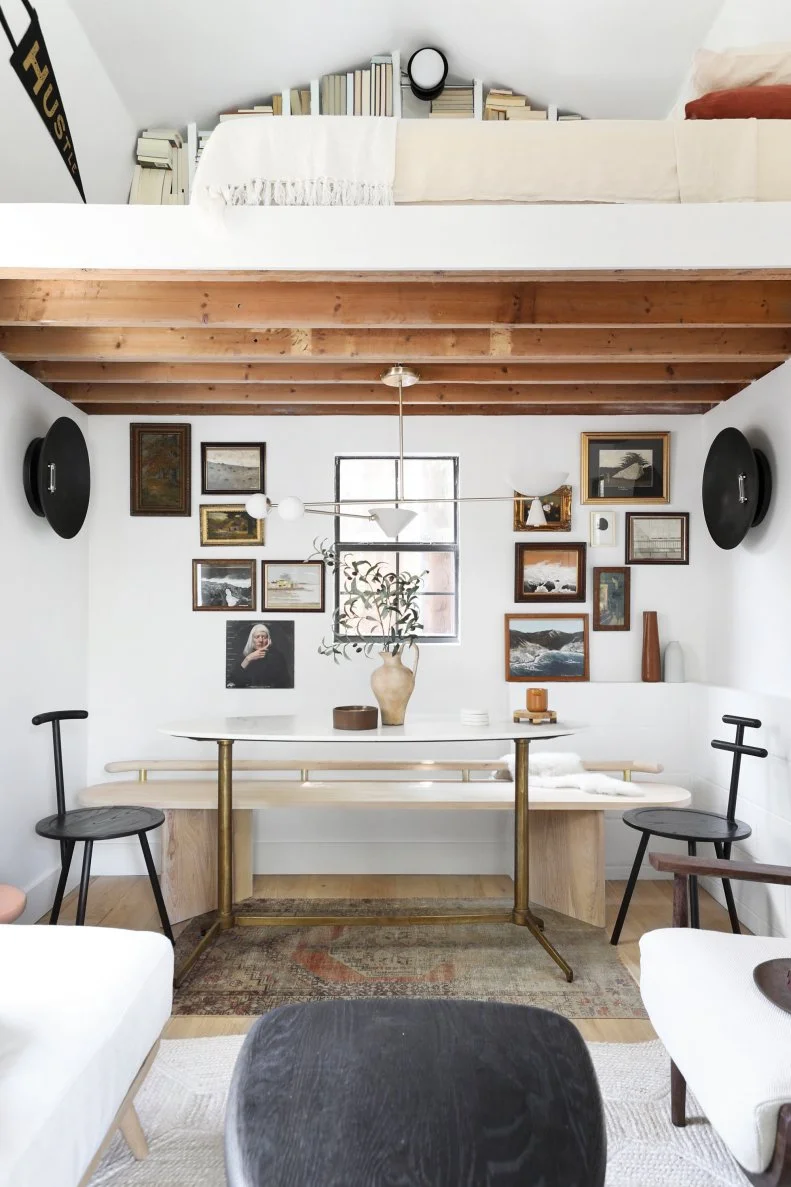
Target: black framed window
{"points": [[430, 542]]}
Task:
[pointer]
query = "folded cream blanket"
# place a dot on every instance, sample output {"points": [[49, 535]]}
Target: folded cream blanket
{"points": [[550, 770], [268, 161]]}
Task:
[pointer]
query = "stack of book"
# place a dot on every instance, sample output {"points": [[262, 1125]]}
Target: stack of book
{"points": [[455, 102], [160, 176], [300, 100], [233, 112], [506, 105], [366, 91]]}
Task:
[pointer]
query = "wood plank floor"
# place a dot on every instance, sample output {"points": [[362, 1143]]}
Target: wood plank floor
{"points": [[127, 902]]}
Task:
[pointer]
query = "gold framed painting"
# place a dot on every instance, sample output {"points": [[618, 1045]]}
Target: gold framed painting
{"points": [[557, 509], [541, 647], [625, 467], [224, 524], [159, 469]]}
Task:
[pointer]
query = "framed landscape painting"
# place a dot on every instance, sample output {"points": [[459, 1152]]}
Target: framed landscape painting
{"points": [[159, 469], [293, 585], [549, 573], [658, 538], [626, 467], [228, 468], [557, 511], [546, 647], [611, 599], [223, 585], [229, 523]]}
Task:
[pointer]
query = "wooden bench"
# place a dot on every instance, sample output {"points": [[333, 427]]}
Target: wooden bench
{"points": [[566, 826]]}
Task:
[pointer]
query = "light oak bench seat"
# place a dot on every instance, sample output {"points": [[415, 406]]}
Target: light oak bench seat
{"points": [[566, 825]]}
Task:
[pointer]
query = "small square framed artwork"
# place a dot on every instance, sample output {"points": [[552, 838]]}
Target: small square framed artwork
{"points": [[657, 538], [231, 468], [229, 524], [543, 647], [549, 572], [602, 529], [293, 586], [259, 654], [159, 469], [557, 511], [223, 585], [625, 467], [611, 599]]}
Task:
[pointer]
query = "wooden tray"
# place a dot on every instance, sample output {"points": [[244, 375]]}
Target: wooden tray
{"points": [[536, 716]]}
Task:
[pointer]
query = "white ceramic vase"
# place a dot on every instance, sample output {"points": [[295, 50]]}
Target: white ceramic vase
{"points": [[673, 664]]}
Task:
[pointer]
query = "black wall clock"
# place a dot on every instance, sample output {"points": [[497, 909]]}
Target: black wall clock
{"points": [[57, 477]]}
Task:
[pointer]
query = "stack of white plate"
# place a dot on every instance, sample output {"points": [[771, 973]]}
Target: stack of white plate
{"points": [[475, 716]]}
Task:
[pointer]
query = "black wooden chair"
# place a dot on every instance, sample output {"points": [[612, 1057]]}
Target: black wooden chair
{"points": [[693, 826], [93, 824]]}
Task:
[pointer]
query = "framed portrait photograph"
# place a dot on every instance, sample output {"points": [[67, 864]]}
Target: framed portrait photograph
{"points": [[546, 647], [549, 573], [602, 529], [556, 507], [657, 538], [259, 654], [160, 460], [296, 586], [626, 467], [229, 523], [228, 468], [611, 599], [223, 585]]}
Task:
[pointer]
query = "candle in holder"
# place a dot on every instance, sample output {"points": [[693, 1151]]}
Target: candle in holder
{"points": [[537, 700]]}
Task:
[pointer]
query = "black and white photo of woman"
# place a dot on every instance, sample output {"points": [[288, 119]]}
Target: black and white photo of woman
{"points": [[259, 656]]}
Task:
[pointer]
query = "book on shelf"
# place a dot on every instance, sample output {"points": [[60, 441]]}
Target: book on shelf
{"points": [[299, 100], [525, 113], [161, 174]]}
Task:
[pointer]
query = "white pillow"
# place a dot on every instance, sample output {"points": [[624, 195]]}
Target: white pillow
{"points": [[746, 66], [556, 763]]}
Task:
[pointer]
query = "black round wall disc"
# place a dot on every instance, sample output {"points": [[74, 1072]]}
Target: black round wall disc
{"points": [[736, 488], [57, 477]]}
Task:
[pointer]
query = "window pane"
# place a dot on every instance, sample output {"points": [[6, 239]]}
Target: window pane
{"points": [[364, 478], [438, 615], [440, 569], [358, 626], [429, 478]]}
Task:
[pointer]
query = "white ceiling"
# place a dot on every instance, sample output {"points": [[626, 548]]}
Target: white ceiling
{"points": [[178, 60]]}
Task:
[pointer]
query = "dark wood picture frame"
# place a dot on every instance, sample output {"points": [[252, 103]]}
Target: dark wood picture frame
{"points": [[255, 534], [558, 515], [541, 676], [208, 489], [633, 517], [599, 623], [619, 489], [549, 549], [266, 602], [160, 470], [224, 606]]}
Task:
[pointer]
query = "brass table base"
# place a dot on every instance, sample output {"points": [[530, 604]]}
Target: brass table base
{"points": [[226, 917]]}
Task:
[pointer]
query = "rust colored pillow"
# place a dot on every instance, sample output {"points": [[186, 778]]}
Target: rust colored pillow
{"points": [[743, 103]]}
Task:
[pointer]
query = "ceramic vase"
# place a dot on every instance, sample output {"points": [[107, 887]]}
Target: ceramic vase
{"points": [[652, 660], [673, 664], [393, 684]]}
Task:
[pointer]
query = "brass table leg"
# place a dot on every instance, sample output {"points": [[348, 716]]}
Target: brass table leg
{"points": [[225, 833], [522, 915]]}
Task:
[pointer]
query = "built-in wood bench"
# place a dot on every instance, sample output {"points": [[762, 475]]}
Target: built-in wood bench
{"points": [[566, 826]]}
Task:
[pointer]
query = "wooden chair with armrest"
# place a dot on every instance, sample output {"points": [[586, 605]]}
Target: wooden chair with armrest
{"points": [[724, 1037]]}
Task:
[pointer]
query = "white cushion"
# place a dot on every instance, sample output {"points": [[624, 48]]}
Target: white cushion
{"points": [[80, 1008], [730, 1043], [742, 66]]}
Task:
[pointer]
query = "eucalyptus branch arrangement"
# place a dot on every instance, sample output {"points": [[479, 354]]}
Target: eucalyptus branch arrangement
{"points": [[373, 598]]}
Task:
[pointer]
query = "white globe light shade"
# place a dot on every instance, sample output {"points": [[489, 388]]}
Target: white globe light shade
{"points": [[427, 68], [257, 506], [291, 508], [533, 481]]}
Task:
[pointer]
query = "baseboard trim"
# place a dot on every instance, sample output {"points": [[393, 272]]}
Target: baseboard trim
{"points": [[41, 893]]}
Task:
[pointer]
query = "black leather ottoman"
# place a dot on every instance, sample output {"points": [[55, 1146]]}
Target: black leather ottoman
{"points": [[399, 1093]]}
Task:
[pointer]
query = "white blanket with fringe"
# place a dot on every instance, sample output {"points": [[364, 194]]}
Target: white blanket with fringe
{"points": [[557, 770], [298, 161]]}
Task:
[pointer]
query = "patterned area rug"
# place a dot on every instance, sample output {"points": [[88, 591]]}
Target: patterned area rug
{"points": [[182, 1106], [251, 970]]}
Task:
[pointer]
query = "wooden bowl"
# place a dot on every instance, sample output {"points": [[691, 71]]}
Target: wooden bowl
{"points": [[355, 717]]}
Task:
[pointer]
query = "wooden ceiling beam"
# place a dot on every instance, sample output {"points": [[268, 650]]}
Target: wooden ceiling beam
{"points": [[128, 344], [658, 408], [153, 394], [367, 373], [265, 304]]}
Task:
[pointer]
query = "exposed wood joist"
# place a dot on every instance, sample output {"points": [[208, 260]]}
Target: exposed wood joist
{"points": [[659, 408]]}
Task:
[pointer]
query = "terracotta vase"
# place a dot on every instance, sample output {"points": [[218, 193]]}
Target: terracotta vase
{"points": [[652, 660], [393, 684]]}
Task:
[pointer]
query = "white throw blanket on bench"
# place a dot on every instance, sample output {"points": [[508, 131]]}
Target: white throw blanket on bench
{"points": [[566, 770], [298, 161]]}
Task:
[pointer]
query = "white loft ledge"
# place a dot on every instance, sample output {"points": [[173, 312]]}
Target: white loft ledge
{"points": [[397, 238]]}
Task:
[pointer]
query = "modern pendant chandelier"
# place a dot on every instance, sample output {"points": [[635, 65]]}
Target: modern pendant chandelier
{"points": [[389, 514]]}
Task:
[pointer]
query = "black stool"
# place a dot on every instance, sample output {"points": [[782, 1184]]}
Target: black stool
{"points": [[93, 824], [395, 1091], [691, 825]]}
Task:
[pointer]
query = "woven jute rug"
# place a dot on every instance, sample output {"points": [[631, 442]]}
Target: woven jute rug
{"points": [[182, 1110], [251, 970]]}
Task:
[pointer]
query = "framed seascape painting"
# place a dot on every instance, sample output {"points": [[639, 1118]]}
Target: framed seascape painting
{"points": [[159, 469], [259, 654], [611, 599], [233, 469], [229, 523], [546, 647], [549, 573], [661, 538], [223, 585], [296, 586], [625, 467], [557, 510]]}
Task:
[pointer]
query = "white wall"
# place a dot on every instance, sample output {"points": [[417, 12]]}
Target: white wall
{"points": [[152, 660], [103, 132], [43, 647]]}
